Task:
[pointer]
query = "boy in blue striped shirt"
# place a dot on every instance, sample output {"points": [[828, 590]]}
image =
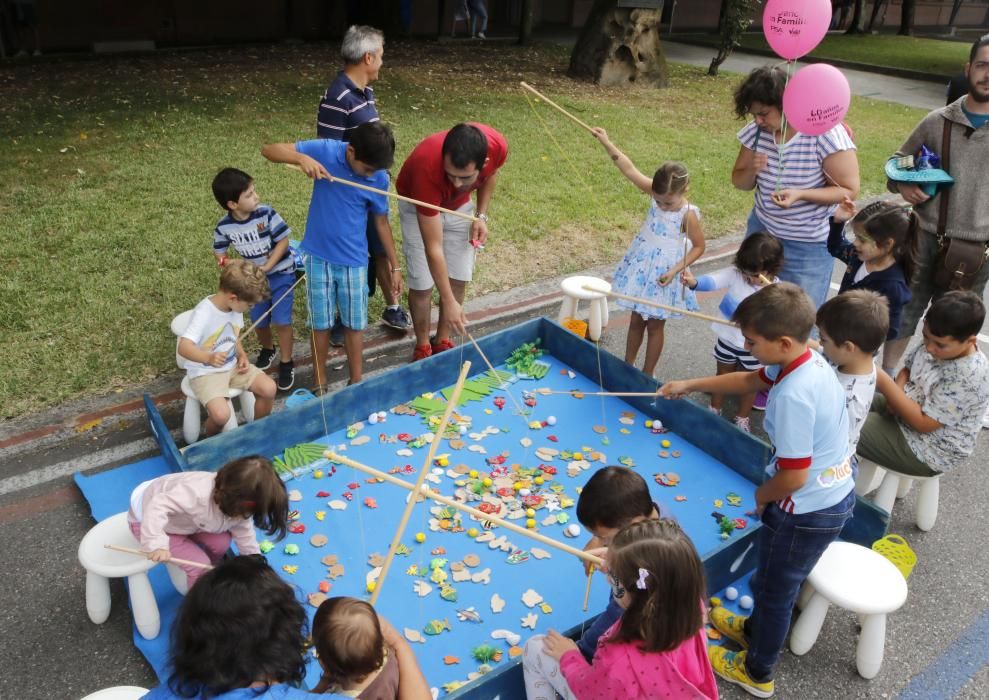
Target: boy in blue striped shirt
{"points": [[260, 236]]}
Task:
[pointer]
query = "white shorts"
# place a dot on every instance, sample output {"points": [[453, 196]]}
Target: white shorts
{"points": [[457, 250]]}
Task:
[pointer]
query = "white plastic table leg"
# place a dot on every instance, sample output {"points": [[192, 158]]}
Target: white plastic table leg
{"points": [[872, 640], [144, 606], [178, 578], [866, 481], [886, 496], [190, 421], [247, 406], [806, 592], [97, 597], [231, 423], [904, 487], [604, 311], [568, 309], [594, 322], [808, 625], [927, 503]]}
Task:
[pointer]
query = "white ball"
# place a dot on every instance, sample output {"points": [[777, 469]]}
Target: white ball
{"points": [[382, 416], [551, 420], [572, 530], [373, 418], [524, 492], [731, 593], [657, 424], [746, 602], [463, 429]]}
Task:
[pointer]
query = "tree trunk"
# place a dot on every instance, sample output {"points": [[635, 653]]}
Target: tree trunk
{"points": [[858, 18], [906, 18], [736, 17], [876, 7], [525, 23], [618, 46]]}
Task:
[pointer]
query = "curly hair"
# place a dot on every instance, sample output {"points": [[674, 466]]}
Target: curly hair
{"points": [[764, 85], [246, 280], [240, 624]]}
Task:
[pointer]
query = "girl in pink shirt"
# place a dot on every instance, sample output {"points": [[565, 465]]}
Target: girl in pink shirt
{"points": [[657, 649], [194, 515]]}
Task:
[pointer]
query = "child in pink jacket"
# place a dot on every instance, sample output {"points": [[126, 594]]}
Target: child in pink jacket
{"points": [[657, 649], [195, 515]]}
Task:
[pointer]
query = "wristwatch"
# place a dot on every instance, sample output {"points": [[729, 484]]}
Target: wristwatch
{"points": [[482, 217]]}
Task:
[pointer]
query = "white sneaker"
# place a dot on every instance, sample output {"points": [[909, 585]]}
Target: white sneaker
{"points": [[985, 418], [743, 424]]}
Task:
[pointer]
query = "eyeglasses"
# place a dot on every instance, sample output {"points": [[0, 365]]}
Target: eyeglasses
{"points": [[617, 590]]}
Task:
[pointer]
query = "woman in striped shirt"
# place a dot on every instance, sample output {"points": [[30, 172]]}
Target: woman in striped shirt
{"points": [[798, 180]]}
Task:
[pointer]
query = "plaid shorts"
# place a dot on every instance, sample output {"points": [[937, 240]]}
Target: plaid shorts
{"points": [[332, 286]]}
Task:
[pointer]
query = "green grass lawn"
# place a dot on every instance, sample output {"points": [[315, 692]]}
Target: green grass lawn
{"points": [[914, 53], [106, 167]]}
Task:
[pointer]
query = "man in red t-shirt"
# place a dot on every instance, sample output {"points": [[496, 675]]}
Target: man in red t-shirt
{"points": [[439, 248]]}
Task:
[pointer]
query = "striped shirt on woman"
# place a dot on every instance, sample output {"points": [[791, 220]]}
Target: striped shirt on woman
{"points": [[802, 169]]}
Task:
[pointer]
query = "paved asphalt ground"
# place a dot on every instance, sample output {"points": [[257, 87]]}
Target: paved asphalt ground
{"points": [[936, 645]]}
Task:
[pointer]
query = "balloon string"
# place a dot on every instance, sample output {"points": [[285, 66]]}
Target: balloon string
{"points": [[781, 146]]}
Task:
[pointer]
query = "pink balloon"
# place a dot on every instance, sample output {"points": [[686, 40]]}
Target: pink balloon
{"points": [[794, 27], [816, 99]]}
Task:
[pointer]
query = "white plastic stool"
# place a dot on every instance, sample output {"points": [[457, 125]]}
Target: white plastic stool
{"points": [[859, 580], [120, 692], [102, 564], [192, 417], [573, 292], [893, 486]]}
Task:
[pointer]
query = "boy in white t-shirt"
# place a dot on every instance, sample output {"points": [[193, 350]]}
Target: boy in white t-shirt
{"points": [[853, 326], [211, 344]]}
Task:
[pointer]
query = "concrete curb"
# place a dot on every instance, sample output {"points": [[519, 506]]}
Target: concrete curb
{"points": [[383, 349], [838, 63]]}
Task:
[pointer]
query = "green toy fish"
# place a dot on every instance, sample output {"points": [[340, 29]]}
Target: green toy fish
{"points": [[434, 627]]}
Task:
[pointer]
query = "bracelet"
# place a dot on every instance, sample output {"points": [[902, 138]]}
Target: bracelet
{"points": [[396, 269]]}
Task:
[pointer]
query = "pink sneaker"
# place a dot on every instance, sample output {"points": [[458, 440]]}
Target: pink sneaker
{"points": [[743, 424]]}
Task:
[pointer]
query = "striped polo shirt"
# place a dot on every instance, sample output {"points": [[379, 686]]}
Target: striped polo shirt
{"points": [[801, 168], [343, 108]]}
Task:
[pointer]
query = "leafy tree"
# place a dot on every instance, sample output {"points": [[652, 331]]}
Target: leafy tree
{"points": [[736, 17]]}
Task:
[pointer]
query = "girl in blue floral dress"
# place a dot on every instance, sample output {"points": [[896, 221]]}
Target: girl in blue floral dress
{"points": [[651, 267]]}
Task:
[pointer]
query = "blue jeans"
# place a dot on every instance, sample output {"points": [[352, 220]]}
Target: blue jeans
{"points": [[789, 547], [588, 641], [807, 265]]}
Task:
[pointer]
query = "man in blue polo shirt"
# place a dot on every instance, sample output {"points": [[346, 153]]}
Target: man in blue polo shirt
{"points": [[335, 245], [347, 103]]}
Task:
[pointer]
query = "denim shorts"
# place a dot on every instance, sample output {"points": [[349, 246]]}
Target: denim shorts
{"points": [[280, 282]]}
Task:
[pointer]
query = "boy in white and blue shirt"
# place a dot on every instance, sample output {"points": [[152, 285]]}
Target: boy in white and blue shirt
{"points": [[335, 247], [809, 494], [260, 236]]}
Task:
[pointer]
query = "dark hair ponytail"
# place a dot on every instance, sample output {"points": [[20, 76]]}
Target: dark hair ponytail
{"points": [[885, 221]]}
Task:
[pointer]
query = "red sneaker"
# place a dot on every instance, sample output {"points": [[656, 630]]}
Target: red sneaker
{"points": [[422, 352], [445, 344]]}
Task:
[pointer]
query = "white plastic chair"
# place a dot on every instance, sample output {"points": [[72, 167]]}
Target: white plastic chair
{"points": [[892, 486], [120, 692], [102, 564], [861, 581], [192, 417], [573, 292]]}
